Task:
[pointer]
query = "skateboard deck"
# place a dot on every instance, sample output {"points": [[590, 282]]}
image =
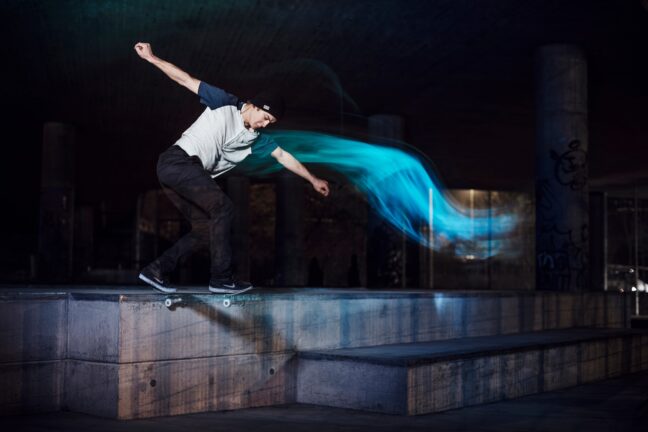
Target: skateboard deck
{"points": [[178, 299]]}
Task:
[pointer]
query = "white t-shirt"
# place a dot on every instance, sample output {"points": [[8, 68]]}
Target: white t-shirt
{"points": [[219, 137]]}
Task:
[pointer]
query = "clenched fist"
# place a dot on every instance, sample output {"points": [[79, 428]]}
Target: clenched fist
{"points": [[321, 186], [143, 50]]}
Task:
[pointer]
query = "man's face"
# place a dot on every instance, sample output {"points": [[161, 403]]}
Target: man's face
{"points": [[260, 119]]}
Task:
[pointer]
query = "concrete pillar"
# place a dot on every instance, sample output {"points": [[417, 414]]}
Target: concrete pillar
{"points": [[289, 231], [56, 219], [386, 248], [561, 169], [238, 189], [597, 264]]}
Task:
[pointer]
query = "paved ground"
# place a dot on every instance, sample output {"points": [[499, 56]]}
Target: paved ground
{"points": [[617, 405]]}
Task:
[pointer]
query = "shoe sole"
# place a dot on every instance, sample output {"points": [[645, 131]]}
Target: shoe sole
{"points": [[229, 291], [157, 286]]}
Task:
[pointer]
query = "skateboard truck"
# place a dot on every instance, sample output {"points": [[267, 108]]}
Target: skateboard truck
{"points": [[169, 302]]}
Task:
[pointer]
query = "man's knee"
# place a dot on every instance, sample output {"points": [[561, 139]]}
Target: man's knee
{"points": [[200, 233], [222, 208]]}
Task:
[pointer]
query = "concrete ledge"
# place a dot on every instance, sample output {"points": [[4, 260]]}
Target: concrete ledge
{"points": [[149, 389], [98, 350], [431, 377], [138, 327]]}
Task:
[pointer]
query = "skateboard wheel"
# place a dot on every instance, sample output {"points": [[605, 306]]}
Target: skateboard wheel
{"points": [[171, 301], [227, 302]]}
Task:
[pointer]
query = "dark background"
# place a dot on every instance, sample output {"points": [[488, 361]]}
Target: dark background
{"points": [[459, 72]]}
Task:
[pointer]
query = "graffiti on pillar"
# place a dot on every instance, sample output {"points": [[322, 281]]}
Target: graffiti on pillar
{"points": [[570, 168], [561, 258], [561, 263]]}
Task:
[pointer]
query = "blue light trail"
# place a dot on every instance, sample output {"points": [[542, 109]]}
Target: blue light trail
{"points": [[397, 185]]}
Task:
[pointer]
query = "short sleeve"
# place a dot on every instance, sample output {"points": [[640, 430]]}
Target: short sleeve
{"points": [[263, 146], [215, 97]]}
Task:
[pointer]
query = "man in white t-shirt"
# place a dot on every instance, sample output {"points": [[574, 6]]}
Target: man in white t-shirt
{"points": [[223, 135]]}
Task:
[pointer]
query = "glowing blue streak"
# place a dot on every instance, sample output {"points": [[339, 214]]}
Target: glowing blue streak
{"points": [[396, 184]]}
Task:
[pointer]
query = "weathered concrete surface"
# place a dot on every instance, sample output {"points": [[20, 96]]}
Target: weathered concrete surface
{"points": [[210, 384], [94, 327], [346, 384], [150, 389], [33, 335], [131, 328], [33, 327], [607, 406], [31, 387], [92, 388], [118, 339], [324, 319], [436, 376]]}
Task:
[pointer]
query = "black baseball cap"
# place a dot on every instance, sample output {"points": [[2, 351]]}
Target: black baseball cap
{"points": [[271, 102]]}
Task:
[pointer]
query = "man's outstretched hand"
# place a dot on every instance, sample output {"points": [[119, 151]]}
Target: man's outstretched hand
{"points": [[143, 50], [321, 186]]}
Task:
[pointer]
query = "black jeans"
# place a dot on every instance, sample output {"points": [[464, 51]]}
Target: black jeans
{"points": [[204, 204]]}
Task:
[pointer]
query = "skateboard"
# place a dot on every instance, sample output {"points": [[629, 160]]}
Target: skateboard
{"points": [[177, 300]]}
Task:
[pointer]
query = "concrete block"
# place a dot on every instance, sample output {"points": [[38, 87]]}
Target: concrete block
{"points": [[639, 360], [560, 367], [435, 387], [526, 312], [635, 360], [593, 361], [92, 388], [550, 309], [644, 351], [594, 310], [33, 329], [203, 327], [567, 310], [317, 324], [521, 374], [350, 384], [616, 310], [615, 357], [482, 380], [512, 310], [176, 387], [94, 329], [440, 317], [538, 317], [148, 389], [482, 316], [375, 321], [31, 387]]}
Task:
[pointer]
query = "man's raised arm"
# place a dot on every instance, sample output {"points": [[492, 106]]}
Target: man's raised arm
{"points": [[143, 50]]}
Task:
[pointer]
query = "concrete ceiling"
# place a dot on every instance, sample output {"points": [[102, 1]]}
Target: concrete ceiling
{"points": [[460, 72]]}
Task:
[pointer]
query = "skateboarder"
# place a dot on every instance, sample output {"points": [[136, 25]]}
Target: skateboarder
{"points": [[224, 134]]}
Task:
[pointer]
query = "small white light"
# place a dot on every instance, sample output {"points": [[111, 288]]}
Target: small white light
{"points": [[634, 288]]}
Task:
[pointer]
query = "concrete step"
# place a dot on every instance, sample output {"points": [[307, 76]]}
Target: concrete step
{"points": [[120, 352], [421, 378]]}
